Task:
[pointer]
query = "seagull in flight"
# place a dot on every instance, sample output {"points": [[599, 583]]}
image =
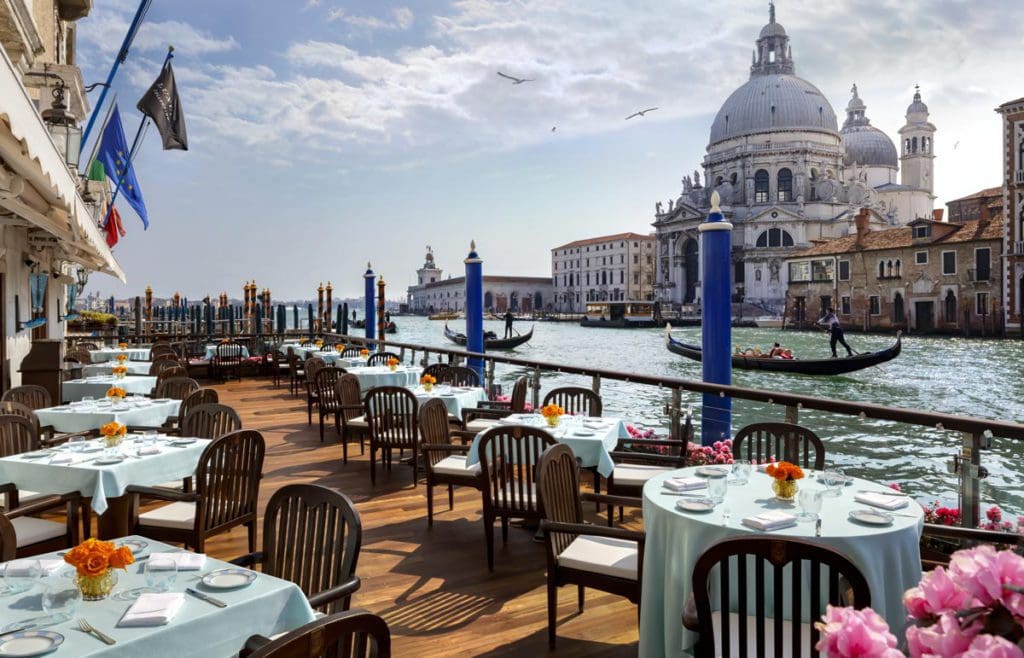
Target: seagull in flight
{"points": [[956, 145], [554, 128], [515, 80], [640, 113]]}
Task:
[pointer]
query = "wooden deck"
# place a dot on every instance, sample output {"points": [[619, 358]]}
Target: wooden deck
{"points": [[431, 585]]}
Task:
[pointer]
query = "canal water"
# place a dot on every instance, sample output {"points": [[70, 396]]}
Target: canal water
{"points": [[951, 375]]}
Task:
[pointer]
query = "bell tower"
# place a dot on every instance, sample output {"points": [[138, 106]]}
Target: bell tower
{"points": [[430, 272], [917, 150]]}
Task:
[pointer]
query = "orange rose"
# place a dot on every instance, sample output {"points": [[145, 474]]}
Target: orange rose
{"points": [[121, 558], [96, 565]]}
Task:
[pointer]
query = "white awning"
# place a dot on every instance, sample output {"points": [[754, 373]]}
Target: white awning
{"points": [[36, 184]]}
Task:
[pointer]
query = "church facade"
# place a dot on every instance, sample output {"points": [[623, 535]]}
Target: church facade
{"points": [[787, 176]]}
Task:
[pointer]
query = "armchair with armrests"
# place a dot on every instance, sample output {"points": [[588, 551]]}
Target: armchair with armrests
{"points": [[485, 414]]}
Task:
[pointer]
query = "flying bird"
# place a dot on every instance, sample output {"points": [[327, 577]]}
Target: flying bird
{"points": [[515, 80], [640, 113], [554, 128], [956, 145]]}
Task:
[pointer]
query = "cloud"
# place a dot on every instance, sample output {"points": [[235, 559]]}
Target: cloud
{"points": [[401, 19], [105, 31]]}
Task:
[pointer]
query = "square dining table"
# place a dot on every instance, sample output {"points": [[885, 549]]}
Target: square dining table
{"points": [[374, 376], [199, 629], [97, 386], [110, 354], [134, 368], [84, 416], [91, 474], [455, 398]]}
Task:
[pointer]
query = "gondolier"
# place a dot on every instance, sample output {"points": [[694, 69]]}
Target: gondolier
{"points": [[835, 332], [509, 319]]}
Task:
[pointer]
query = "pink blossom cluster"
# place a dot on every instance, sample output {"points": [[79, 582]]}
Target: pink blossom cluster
{"points": [[936, 513], [997, 522], [508, 398], [720, 452], [850, 633], [635, 433]]}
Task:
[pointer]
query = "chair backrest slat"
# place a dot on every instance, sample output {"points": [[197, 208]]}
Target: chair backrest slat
{"points": [[210, 421], [761, 442], [392, 412], [508, 460], [575, 400], [32, 396]]}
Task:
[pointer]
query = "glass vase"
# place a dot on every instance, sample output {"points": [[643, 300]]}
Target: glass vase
{"points": [[553, 420], [96, 588], [428, 387], [785, 490]]}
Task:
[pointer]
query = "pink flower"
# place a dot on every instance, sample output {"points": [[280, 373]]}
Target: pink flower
{"points": [[944, 638], [994, 514], [934, 595], [992, 646], [849, 633], [895, 486], [983, 572]]}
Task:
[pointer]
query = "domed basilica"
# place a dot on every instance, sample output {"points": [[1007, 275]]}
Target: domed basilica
{"points": [[788, 175]]}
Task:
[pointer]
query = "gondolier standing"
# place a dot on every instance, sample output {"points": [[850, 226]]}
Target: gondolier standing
{"points": [[509, 318], [835, 332]]}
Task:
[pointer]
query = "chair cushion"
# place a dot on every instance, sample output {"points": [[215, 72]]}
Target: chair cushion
{"points": [[637, 474], [455, 465], [604, 555], [769, 636], [358, 422], [480, 424], [31, 530], [180, 515], [25, 497]]}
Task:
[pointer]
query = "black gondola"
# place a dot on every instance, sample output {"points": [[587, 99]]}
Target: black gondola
{"points": [[796, 366], [490, 343]]}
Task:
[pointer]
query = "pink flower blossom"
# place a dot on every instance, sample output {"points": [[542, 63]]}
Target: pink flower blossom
{"points": [[983, 572], [992, 646], [895, 486], [934, 595], [994, 514], [850, 633], [942, 639]]}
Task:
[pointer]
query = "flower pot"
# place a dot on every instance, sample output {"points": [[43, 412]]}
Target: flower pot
{"points": [[115, 399], [393, 368], [553, 420], [96, 588], [113, 441], [428, 387], [785, 490]]}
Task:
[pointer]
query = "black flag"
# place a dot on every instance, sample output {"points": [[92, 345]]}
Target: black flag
{"points": [[161, 104]]}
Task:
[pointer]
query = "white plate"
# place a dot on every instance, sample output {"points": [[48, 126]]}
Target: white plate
{"points": [[30, 643], [108, 461], [182, 442], [39, 454], [136, 546], [713, 471], [583, 433], [871, 517], [695, 505], [229, 578]]}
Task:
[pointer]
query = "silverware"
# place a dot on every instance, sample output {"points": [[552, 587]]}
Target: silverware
{"points": [[817, 528], [204, 597], [87, 628], [18, 629], [684, 493], [883, 493]]}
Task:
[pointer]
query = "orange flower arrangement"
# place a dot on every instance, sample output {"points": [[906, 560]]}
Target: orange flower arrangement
{"points": [[339, 348], [364, 352], [318, 342], [428, 379], [393, 361], [116, 392], [113, 429], [122, 346], [552, 410], [119, 370], [784, 471], [94, 557], [121, 358]]}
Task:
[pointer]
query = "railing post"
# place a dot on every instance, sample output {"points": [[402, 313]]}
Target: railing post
{"points": [[489, 377], [536, 388], [596, 384], [674, 410], [792, 414], [970, 472]]}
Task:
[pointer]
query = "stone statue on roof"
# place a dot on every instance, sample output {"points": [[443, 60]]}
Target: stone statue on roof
{"points": [[696, 178], [657, 208]]}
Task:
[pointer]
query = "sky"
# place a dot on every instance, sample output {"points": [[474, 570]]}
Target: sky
{"points": [[326, 134]]}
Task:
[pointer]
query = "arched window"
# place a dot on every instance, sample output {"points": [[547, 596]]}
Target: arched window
{"points": [[950, 304], [757, 274], [897, 267], [897, 308], [813, 196], [913, 144], [888, 268], [719, 181], [774, 237], [761, 186], [881, 269], [906, 145], [785, 184], [734, 177]]}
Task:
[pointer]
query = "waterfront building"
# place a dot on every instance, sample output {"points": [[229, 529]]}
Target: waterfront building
{"points": [[50, 240], [973, 206], [434, 294], [788, 175], [608, 268], [928, 276], [1013, 201]]}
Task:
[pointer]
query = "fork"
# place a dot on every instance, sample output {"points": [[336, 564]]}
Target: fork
{"points": [[87, 628]]}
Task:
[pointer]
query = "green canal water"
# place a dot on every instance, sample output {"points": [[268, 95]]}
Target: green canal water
{"points": [[952, 375]]}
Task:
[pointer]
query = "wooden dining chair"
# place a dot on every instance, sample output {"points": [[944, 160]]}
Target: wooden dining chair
{"points": [[327, 401], [227, 361], [761, 442], [352, 411], [459, 376], [210, 421], [753, 572], [226, 495], [296, 373], [32, 396], [322, 561], [351, 352], [86, 345], [393, 413], [575, 400], [313, 365], [483, 416], [170, 373], [587, 555], [437, 371], [278, 366], [381, 358], [12, 408], [191, 401], [176, 388], [352, 634], [445, 462], [163, 362], [80, 355], [509, 455]]}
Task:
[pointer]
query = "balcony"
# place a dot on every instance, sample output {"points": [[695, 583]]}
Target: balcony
{"points": [[1018, 248], [1019, 177]]}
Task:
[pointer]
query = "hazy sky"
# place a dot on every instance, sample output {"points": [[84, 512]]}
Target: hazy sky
{"points": [[325, 133]]}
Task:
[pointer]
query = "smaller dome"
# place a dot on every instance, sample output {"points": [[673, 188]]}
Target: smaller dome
{"points": [[918, 105], [772, 29], [855, 103], [869, 147]]}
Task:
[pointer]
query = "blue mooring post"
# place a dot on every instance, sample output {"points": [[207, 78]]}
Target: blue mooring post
{"points": [[370, 315], [716, 322], [475, 309]]}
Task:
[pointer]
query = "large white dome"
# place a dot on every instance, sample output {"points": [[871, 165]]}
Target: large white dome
{"points": [[770, 102]]}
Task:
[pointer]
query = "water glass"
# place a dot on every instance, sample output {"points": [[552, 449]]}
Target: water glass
{"points": [[61, 598], [809, 499], [716, 489], [76, 443], [161, 574], [741, 469], [149, 438], [21, 575], [834, 481]]}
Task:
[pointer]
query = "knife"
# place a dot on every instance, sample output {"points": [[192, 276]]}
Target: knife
{"points": [[18, 629], [204, 597]]}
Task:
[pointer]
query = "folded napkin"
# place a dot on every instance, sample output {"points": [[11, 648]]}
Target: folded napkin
{"points": [[185, 561], [151, 450], [882, 500], [685, 483], [767, 521], [20, 568], [62, 459], [153, 609]]}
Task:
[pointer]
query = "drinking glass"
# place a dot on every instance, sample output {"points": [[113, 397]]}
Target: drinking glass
{"points": [[21, 575], [76, 443], [61, 599], [149, 438], [88, 400], [741, 469], [161, 574], [834, 482], [810, 503], [717, 488]]}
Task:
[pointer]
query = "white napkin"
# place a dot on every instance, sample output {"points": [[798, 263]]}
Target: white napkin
{"points": [[151, 450], [767, 521], [685, 483], [184, 560], [153, 609], [883, 501], [62, 459], [19, 568]]}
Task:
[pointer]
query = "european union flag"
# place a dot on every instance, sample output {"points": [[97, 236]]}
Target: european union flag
{"points": [[114, 154]]}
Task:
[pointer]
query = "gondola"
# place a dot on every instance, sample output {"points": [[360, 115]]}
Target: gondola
{"points": [[796, 366], [490, 343]]}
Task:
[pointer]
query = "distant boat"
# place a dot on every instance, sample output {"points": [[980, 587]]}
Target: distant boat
{"points": [[622, 315], [768, 322], [490, 343], [796, 366], [447, 315]]}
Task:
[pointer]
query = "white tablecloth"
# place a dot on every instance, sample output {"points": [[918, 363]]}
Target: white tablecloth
{"points": [[134, 368], [101, 482], [74, 390], [79, 419], [211, 351], [110, 353], [455, 398], [888, 556], [335, 359], [373, 376]]}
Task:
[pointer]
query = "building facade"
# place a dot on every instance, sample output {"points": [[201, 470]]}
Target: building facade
{"points": [[48, 212], [434, 294], [608, 268], [928, 276], [1013, 202], [787, 176], [982, 204]]}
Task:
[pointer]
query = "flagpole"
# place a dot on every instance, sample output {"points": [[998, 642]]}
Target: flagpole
{"points": [[122, 55]]}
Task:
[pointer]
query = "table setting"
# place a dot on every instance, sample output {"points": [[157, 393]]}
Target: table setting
{"points": [[374, 376], [91, 413], [455, 398], [96, 386], [211, 351], [688, 510], [110, 354], [134, 596], [106, 368]]}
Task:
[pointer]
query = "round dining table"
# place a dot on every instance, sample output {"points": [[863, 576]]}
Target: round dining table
{"points": [[888, 555]]}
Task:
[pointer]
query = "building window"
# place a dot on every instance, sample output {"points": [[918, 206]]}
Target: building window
{"points": [[775, 237], [739, 272], [757, 274], [844, 305], [761, 186], [897, 268], [949, 262], [844, 270], [881, 269], [622, 276], [950, 306], [921, 257], [982, 264], [981, 303], [875, 305], [785, 182], [922, 231], [636, 259], [636, 278]]}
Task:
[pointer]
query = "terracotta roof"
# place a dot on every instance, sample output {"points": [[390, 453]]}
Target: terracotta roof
{"points": [[981, 194], [902, 238], [606, 238]]}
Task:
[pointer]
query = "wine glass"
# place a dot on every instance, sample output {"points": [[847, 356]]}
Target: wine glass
{"points": [[809, 499], [76, 443], [61, 599], [161, 573], [741, 469], [717, 488], [834, 481], [21, 575]]}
